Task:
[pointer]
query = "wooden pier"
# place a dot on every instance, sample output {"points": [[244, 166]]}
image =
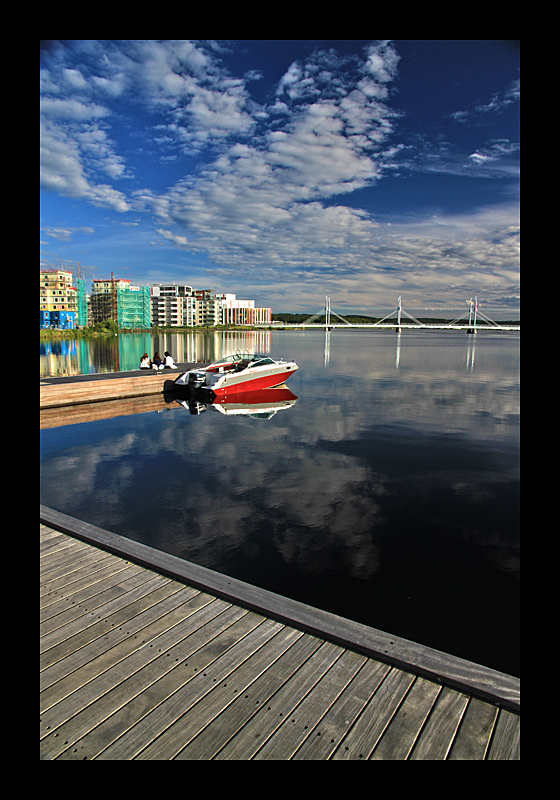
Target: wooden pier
{"points": [[85, 398], [147, 656], [57, 392]]}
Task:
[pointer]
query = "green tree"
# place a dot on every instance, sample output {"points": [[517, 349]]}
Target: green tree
{"points": [[106, 326]]}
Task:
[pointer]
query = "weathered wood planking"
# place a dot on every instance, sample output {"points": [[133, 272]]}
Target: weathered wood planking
{"points": [[57, 394], [56, 416], [62, 391], [432, 664], [137, 665]]}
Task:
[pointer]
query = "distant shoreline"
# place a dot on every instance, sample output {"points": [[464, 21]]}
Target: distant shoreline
{"points": [[47, 334]]}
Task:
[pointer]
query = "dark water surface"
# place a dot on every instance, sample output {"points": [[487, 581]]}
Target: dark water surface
{"points": [[387, 493]]}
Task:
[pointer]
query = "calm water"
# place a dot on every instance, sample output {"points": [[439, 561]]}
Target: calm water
{"points": [[121, 353], [388, 492]]}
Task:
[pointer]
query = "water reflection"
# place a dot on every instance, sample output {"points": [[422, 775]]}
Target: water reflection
{"points": [[388, 494], [82, 356], [262, 404], [470, 353]]}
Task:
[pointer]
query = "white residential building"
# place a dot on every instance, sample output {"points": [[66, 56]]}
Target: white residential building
{"points": [[179, 305], [243, 312], [173, 305]]}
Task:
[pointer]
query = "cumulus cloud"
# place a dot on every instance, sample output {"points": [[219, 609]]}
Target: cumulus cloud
{"points": [[261, 204], [267, 202], [74, 147], [63, 170]]}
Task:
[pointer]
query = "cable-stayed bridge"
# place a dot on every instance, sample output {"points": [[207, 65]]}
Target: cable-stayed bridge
{"points": [[328, 319]]}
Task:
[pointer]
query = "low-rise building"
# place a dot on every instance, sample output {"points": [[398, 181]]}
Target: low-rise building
{"points": [[242, 312]]}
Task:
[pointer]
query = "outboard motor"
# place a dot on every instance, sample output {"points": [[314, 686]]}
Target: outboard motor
{"points": [[196, 379]]}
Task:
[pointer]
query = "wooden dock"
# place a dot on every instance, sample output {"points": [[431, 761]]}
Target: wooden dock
{"points": [[146, 656], [86, 398], [58, 392]]}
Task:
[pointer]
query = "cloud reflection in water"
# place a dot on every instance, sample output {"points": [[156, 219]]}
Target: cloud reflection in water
{"points": [[343, 500]]}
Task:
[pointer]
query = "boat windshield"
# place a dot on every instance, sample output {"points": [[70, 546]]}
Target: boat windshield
{"points": [[260, 361], [236, 358]]}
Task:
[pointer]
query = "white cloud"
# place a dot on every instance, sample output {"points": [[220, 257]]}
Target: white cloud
{"points": [[382, 61], [65, 234], [267, 203], [74, 78], [498, 102], [62, 170], [73, 110]]}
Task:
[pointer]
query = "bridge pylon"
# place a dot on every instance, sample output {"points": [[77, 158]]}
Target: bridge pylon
{"points": [[474, 312], [399, 311], [326, 312]]}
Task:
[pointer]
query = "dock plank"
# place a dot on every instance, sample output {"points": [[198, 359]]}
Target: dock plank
{"points": [[504, 745], [297, 726], [90, 599], [202, 680], [73, 580], [144, 666], [255, 661], [364, 735], [328, 733], [271, 714], [473, 737], [399, 738], [437, 735], [98, 712], [85, 660], [225, 726], [84, 398], [95, 626]]}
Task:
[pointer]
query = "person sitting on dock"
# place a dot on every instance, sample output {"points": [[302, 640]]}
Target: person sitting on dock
{"points": [[145, 362], [157, 363], [169, 363]]}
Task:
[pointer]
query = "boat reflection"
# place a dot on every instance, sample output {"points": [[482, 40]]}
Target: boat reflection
{"points": [[260, 404]]}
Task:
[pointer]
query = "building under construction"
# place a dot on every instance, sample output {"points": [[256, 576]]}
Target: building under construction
{"points": [[118, 300], [65, 303]]}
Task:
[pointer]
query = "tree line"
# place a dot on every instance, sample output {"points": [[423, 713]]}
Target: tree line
{"points": [[357, 319]]}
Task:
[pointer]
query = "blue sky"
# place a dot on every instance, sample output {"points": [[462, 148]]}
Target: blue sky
{"points": [[287, 170]]}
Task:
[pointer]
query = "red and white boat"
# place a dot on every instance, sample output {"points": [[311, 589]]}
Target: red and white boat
{"points": [[242, 372]]}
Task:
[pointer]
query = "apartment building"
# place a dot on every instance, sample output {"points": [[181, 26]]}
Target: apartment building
{"points": [[208, 307], [64, 303], [57, 299], [179, 305], [172, 305]]}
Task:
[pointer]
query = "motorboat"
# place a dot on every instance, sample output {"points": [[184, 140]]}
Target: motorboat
{"points": [[241, 372]]}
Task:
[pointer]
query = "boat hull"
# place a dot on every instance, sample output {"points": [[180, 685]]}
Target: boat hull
{"points": [[238, 383], [237, 374]]}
